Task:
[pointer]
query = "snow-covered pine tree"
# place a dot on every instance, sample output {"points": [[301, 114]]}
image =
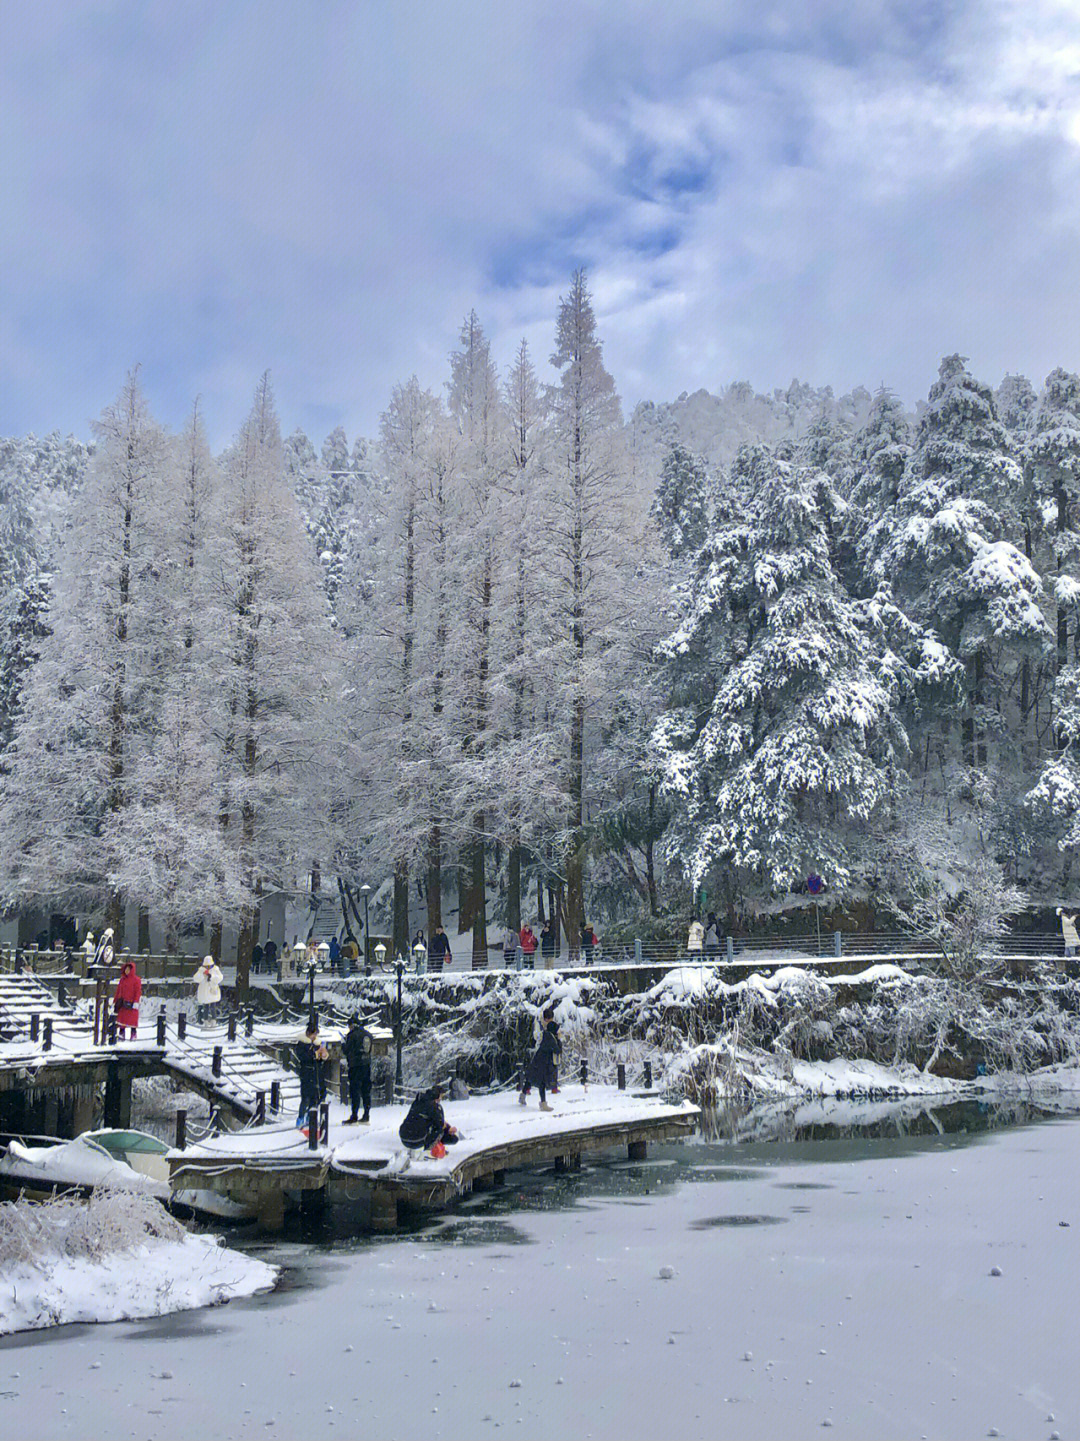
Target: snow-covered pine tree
{"points": [[90, 702], [782, 741], [680, 507], [595, 530], [950, 556], [473, 402], [177, 863], [280, 691]]}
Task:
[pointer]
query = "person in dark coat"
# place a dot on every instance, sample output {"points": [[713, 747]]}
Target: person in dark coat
{"points": [[541, 1071], [358, 1058], [257, 954], [270, 957], [547, 941], [311, 1058], [425, 1125], [440, 950]]}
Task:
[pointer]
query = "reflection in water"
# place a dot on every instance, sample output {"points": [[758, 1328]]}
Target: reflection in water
{"points": [[709, 1223]]}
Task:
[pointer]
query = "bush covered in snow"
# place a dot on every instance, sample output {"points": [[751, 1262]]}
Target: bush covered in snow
{"points": [[111, 1220]]}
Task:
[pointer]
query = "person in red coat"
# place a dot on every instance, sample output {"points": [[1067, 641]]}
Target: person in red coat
{"points": [[126, 1000], [527, 938]]}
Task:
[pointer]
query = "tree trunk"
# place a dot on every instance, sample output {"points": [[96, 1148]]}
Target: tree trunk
{"points": [[541, 915], [215, 941], [143, 945], [114, 916], [400, 937], [434, 881], [650, 872], [479, 943], [513, 888]]}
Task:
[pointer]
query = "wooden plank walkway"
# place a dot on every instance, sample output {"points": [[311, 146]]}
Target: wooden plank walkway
{"points": [[368, 1166]]}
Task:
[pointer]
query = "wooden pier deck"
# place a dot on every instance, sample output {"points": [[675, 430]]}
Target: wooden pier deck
{"points": [[366, 1166]]}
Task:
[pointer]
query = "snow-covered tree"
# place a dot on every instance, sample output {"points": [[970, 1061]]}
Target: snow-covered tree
{"points": [[783, 740], [681, 504]]}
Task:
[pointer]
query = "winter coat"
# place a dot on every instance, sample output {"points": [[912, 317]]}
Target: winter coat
{"points": [[528, 941], [1068, 930], [335, 950], [541, 1069], [208, 979], [440, 947], [354, 1049], [270, 953], [127, 996], [424, 1124], [311, 1068], [547, 942], [695, 941]]}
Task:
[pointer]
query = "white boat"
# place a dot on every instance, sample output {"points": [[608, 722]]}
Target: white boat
{"points": [[131, 1160]]}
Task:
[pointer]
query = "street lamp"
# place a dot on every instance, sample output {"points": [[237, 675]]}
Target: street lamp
{"points": [[365, 891], [299, 951], [420, 952], [313, 966], [399, 966]]}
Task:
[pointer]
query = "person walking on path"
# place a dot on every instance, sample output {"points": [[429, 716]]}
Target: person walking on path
{"points": [[425, 1127], [207, 980], [510, 945], [541, 1071], [126, 1000], [528, 946], [695, 941], [311, 1058], [335, 955], [440, 950], [358, 1059], [270, 957], [1068, 932]]}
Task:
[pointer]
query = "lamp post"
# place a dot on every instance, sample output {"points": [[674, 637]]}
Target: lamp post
{"points": [[365, 891], [399, 966], [299, 951], [313, 966], [420, 954]]}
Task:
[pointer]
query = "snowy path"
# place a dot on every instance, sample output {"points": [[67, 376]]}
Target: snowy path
{"points": [[485, 1122]]}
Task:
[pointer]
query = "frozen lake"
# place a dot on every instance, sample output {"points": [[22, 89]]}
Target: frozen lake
{"points": [[841, 1280]]}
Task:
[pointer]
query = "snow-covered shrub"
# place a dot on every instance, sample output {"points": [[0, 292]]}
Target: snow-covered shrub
{"points": [[110, 1221]]}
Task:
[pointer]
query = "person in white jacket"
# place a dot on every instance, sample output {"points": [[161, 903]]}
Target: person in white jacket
{"points": [[207, 980], [1068, 932], [695, 941]]}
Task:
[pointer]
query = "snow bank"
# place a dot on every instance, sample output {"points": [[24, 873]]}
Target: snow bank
{"points": [[719, 1070], [118, 1256]]}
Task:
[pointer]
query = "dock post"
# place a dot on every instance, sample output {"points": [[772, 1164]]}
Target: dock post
{"points": [[271, 1209], [275, 1096], [215, 1065], [838, 943], [161, 1028], [343, 1086], [389, 1090], [46, 1036], [181, 1130], [636, 1150], [117, 1098], [260, 1108], [324, 1123], [35, 1025], [622, 1076], [648, 1075], [249, 1023], [730, 949], [181, 1026], [61, 994], [230, 1031], [313, 1129], [383, 1210], [113, 1033]]}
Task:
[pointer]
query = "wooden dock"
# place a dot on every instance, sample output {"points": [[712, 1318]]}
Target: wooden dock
{"points": [[365, 1167]]}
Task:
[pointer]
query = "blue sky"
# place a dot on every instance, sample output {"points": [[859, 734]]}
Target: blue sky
{"points": [[838, 191]]}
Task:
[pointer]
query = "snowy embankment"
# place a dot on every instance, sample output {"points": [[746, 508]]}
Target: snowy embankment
{"points": [[118, 1256]]}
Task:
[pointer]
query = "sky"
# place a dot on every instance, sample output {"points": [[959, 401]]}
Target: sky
{"points": [[841, 192]]}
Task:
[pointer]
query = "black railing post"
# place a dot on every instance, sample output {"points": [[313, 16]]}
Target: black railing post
{"points": [[275, 1096], [61, 994], [343, 1082], [584, 1073], [215, 1065], [324, 1123], [181, 1130], [249, 1024], [112, 1032], [313, 1129], [46, 1040], [230, 1030], [260, 1108], [181, 1026], [621, 1072], [161, 1028], [648, 1075], [35, 1026]]}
